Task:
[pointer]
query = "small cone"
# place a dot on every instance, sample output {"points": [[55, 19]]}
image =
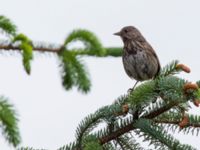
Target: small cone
{"points": [[184, 122], [190, 85], [124, 111], [196, 102], [125, 108], [183, 67]]}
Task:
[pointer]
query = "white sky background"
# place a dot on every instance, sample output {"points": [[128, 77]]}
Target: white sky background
{"points": [[48, 114]]}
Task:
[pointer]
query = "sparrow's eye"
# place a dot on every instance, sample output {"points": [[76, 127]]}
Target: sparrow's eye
{"points": [[126, 31]]}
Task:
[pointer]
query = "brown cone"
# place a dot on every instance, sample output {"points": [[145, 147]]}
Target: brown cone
{"points": [[125, 108], [184, 122], [190, 85], [183, 67], [196, 102]]}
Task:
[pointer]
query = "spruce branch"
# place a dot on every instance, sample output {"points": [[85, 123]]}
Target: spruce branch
{"points": [[104, 114], [162, 88], [158, 136], [78, 76], [192, 126], [195, 125], [7, 26], [170, 69], [172, 103], [27, 50], [116, 134], [52, 48], [161, 110], [9, 122], [91, 142], [88, 38], [143, 94], [130, 127], [73, 73]]}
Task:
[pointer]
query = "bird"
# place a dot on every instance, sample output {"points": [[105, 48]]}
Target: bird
{"points": [[139, 59]]}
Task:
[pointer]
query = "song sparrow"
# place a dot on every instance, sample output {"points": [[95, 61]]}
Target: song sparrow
{"points": [[139, 59]]}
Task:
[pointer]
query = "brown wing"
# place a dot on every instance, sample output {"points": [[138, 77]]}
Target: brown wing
{"points": [[150, 50]]}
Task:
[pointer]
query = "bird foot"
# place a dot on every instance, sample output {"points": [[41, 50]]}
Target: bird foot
{"points": [[133, 88], [130, 90]]}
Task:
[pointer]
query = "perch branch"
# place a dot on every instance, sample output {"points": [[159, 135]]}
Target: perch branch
{"points": [[130, 127]]}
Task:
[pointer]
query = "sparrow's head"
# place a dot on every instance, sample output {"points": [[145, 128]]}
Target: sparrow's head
{"points": [[129, 33]]}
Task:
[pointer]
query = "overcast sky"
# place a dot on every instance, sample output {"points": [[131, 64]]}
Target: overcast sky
{"points": [[48, 114]]}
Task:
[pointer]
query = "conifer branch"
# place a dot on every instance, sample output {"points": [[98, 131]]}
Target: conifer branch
{"points": [[176, 123], [11, 47], [116, 134], [130, 126], [9, 122], [161, 110], [109, 51]]}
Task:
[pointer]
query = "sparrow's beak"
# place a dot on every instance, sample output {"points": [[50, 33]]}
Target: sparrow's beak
{"points": [[117, 33]]}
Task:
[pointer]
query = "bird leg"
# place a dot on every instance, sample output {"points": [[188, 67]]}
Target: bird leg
{"points": [[132, 89], [135, 85]]}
